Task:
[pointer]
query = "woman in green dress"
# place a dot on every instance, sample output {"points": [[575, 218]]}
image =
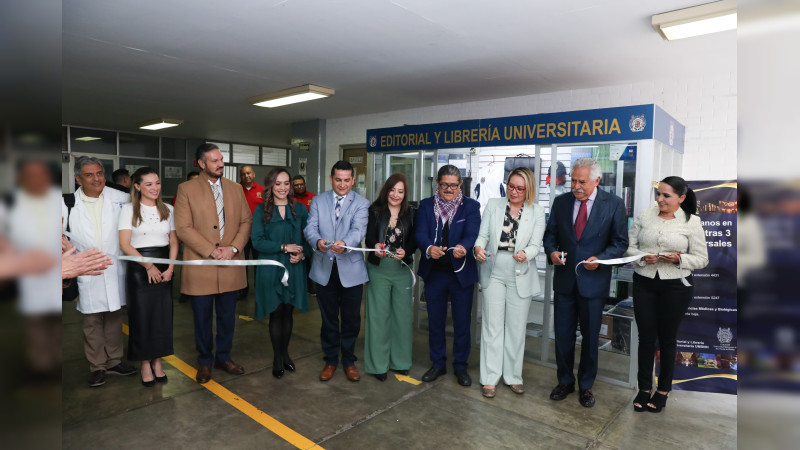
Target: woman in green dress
{"points": [[277, 235]]}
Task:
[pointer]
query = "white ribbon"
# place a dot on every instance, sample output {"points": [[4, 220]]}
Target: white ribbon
{"points": [[627, 259], [359, 249], [196, 262], [209, 262]]}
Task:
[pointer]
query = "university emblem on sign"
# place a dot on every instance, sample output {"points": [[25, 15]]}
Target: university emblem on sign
{"points": [[724, 335], [637, 123], [373, 141]]}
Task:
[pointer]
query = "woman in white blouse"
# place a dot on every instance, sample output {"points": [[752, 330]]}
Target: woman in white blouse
{"points": [[673, 243], [147, 228], [508, 242]]}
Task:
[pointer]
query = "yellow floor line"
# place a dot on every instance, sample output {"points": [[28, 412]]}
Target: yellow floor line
{"points": [[247, 318], [407, 379], [267, 421]]}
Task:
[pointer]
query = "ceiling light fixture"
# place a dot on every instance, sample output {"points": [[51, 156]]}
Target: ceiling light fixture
{"points": [[87, 138], [697, 20], [292, 95], [158, 124]]}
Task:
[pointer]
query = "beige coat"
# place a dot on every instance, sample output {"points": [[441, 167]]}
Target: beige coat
{"points": [[197, 226]]}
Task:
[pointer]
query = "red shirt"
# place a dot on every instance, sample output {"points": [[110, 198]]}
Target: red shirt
{"points": [[254, 196], [305, 199]]}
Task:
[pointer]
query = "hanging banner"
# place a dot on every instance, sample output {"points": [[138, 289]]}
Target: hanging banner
{"points": [[706, 358], [591, 125]]}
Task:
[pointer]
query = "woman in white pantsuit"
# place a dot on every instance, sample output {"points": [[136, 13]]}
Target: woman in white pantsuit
{"points": [[509, 240]]}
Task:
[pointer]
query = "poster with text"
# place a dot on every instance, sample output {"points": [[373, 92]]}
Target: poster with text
{"points": [[706, 357]]}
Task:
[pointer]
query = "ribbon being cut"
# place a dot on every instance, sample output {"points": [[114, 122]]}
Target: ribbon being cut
{"points": [[388, 252], [627, 259]]}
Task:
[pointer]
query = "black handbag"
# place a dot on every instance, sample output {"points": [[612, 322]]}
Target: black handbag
{"points": [[521, 160]]}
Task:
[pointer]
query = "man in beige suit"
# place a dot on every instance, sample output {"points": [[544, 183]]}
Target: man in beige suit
{"points": [[213, 220]]}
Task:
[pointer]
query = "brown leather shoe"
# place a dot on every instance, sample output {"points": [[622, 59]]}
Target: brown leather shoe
{"points": [[327, 373], [230, 367], [203, 374], [352, 373]]}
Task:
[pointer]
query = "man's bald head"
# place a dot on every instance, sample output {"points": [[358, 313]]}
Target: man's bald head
{"points": [[247, 176]]}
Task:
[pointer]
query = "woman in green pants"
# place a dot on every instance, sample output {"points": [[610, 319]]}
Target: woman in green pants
{"points": [[389, 304]]}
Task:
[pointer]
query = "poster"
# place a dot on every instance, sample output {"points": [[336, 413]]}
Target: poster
{"points": [[706, 358], [302, 164], [173, 172]]}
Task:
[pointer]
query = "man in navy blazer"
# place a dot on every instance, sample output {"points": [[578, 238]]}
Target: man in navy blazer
{"points": [[585, 224], [338, 218], [447, 226]]}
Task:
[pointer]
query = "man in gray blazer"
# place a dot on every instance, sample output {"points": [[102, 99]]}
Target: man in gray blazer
{"points": [[338, 218]]}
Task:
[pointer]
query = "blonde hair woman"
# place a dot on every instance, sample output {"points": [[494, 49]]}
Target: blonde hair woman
{"points": [[508, 242]]}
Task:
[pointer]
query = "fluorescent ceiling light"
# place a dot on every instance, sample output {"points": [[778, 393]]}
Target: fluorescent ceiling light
{"points": [[87, 138], [158, 124], [292, 95], [697, 20]]}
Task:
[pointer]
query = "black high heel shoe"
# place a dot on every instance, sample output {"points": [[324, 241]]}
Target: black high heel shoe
{"points": [[380, 376], [400, 371], [161, 379], [659, 402], [642, 398], [150, 383], [277, 368], [289, 365]]}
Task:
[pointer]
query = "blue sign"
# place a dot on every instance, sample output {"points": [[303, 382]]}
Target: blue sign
{"points": [[592, 125], [668, 130]]}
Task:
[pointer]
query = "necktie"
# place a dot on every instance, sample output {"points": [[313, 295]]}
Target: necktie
{"points": [[338, 206], [580, 221], [220, 209]]}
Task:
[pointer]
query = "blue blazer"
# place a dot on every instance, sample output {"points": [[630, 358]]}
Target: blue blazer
{"points": [[605, 236], [351, 229], [463, 231]]}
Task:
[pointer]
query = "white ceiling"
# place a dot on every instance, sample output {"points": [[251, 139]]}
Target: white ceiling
{"points": [[129, 61]]}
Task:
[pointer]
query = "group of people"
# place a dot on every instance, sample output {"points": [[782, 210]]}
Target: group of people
{"points": [[221, 222]]}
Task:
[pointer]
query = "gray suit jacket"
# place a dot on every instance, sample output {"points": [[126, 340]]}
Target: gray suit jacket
{"points": [[351, 229], [529, 238]]}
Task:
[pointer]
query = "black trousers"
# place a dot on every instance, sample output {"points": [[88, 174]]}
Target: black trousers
{"points": [[659, 306], [338, 337]]}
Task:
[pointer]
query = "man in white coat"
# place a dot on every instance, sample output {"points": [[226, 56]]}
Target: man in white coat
{"points": [[93, 224]]}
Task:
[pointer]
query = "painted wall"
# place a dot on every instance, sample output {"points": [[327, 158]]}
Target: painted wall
{"points": [[705, 104]]}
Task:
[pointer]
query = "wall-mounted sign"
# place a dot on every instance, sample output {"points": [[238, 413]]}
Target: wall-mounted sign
{"points": [[302, 164], [356, 159], [572, 127], [304, 146]]}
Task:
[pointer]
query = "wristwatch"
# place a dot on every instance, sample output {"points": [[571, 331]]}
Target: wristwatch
{"points": [[235, 250]]}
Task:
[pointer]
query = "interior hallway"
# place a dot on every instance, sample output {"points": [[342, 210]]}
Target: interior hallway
{"points": [[369, 414]]}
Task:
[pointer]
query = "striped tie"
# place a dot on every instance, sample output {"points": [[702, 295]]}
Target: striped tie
{"points": [[220, 208]]}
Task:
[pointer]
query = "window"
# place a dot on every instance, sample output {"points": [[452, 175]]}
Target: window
{"points": [[271, 156], [245, 154]]}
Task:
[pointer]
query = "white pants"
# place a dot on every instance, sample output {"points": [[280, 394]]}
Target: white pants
{"points": [[503, 326]]}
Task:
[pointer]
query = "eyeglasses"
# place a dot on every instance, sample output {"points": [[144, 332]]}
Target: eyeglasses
{"points": [[449, 186], [511, 187]]}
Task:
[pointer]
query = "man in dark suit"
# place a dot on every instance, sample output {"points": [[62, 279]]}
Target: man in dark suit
{"points": [[447, 226], [585, 224]]}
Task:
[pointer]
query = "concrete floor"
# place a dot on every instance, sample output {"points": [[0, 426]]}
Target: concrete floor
{"points": [[367, 414]]}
